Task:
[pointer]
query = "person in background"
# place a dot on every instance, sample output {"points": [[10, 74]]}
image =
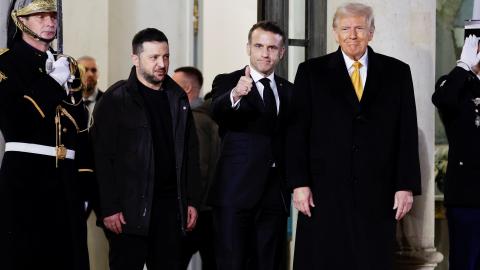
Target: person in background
{"points": [[91, 93], [97, 243], [201, 239]]}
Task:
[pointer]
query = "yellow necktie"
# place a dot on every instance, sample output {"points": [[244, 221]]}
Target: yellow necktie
{"points": [[357, 80]]}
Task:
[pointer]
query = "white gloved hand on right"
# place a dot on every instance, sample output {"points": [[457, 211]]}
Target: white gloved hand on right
{"points": [[61, 70], [470, 56]]}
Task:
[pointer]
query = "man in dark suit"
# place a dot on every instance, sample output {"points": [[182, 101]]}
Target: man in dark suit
{"points": [[91, 93], [250, 205], [352, 150], [97, 243]]}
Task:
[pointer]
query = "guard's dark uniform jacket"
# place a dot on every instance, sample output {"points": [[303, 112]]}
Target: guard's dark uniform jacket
{"points": [[457, 97], [42, 225]]}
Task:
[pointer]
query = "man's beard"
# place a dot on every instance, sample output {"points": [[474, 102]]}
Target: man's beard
{"points": [[90, 88], [150, 78]]}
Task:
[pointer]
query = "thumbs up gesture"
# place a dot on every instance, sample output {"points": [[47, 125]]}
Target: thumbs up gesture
{"points": [[244, 86]]}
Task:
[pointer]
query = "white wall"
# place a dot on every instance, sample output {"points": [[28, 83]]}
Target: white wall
{"points": [[126, 19], [85, 32], [225, 26], [4, 5], [104, 29]]}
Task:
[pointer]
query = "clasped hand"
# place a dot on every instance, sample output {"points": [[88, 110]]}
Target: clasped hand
{"points": [[58, 69]]}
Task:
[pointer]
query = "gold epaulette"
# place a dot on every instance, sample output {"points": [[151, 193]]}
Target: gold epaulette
{"points": [[35, 105], [3, 77]]}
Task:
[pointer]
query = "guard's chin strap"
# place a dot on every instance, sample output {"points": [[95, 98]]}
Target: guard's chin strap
{"points": [[48, 41], [27, 30]]}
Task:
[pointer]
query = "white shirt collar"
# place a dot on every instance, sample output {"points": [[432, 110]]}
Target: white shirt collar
{"points": [[257, 76], [363, 60]]}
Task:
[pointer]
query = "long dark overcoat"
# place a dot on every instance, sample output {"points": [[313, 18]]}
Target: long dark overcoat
{"points": [[354, 156]]}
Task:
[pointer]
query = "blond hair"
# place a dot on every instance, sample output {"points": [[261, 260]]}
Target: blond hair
{"points": [[355, 9]]}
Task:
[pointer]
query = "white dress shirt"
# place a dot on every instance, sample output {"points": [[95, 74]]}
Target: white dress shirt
{"points": [[363, 70], [92, 100]]}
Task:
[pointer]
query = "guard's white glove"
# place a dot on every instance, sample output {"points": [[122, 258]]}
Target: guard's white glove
{"points": [[60, 70], [470, 57]]}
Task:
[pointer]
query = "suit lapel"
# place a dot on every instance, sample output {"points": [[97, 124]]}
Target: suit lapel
{"points": [[374, 73], [341, 81], [282, 96]]}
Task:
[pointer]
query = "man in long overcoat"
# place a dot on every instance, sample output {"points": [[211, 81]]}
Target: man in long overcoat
{"points": [[352, 150]]}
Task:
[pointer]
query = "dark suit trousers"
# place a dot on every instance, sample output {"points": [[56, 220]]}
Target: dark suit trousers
{"points": [[464, 236], [201, 240], [160, 250], [252, 239]]}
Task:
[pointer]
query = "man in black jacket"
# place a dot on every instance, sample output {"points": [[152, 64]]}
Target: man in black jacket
{"points": [[457, 97], [147, 157]]}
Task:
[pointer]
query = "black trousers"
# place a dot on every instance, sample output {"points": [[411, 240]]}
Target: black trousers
{"points": [[464, 236], [253, 239], [160, 250], [201, 240]]}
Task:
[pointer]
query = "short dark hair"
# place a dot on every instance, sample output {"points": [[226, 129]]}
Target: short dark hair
{"points": [[267, 26], [146, 35], [193, 72]]}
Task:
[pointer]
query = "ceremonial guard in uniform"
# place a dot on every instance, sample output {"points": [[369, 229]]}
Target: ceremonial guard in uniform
{"points": [[44, 123], [457, 98]]}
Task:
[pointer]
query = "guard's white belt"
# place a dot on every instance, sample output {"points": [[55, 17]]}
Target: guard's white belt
{"points": [[36, 149]]}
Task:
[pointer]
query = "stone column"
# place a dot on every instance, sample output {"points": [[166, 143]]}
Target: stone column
{"points": [[406, 30]]}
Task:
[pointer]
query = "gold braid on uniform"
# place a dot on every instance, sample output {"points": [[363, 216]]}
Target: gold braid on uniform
{"points": [[61, 150], [35, 105], [64, 112], [3, 77]]}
